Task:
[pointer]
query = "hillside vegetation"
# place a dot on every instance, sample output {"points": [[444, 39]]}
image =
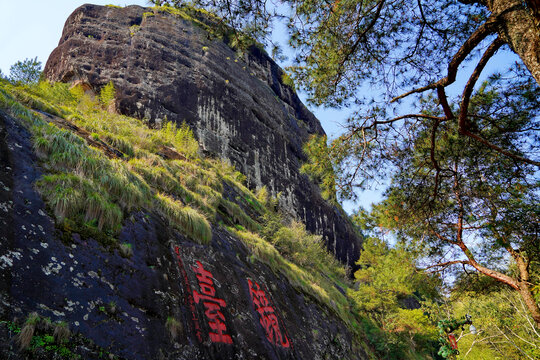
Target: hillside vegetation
{"points": [[113, 165], [100, 167]]}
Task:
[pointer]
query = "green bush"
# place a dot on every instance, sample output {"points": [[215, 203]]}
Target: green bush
{"points": [[107, 95]]}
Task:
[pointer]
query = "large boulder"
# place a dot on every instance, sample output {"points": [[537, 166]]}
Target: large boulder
{"points": [[169, 299], [167, 67]]}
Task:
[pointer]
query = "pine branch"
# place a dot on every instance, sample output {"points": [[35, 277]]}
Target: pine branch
{"points": [[483, 31]]}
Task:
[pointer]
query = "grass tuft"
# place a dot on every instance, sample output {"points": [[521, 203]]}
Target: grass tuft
{"points": [[73, 197], [126, 250], [174, 327], [237, 216], [185, 218], [24, 338], [61, 332]]}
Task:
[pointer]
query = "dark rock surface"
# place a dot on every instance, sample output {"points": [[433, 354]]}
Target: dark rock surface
{"points": [[165, 67], [124, 305]]}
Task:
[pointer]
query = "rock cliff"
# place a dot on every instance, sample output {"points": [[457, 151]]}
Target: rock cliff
{"points": [[124, 241], [167, 297], [168, 67]]}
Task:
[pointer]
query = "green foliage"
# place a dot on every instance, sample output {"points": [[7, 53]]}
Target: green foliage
{"points": [[505, 327], [25, 72], [133, 29], [39, 336], [286, 79], [236, 215], [311, 282], [306, 250], [387, 278], [107, 94], [319, 166], [448, 189]]}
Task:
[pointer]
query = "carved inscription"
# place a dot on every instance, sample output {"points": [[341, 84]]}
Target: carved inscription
{"points": [[267, 316], [212, 305], [190, 303]]}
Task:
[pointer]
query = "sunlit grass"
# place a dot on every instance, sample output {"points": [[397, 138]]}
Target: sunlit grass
{"points": [[89, 192], [185, 218], [305, 279]]}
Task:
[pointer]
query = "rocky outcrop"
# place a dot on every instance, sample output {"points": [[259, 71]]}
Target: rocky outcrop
{"points": [[167, 67], [169, 299]]}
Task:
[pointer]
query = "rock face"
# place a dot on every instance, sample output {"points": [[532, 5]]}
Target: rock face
{"points": [[166, 67], [171, 299]]}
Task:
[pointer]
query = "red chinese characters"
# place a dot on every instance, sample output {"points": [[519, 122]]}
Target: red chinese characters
{"points": [[452, 340], [189, 298], [267, 315], [212, 305]]}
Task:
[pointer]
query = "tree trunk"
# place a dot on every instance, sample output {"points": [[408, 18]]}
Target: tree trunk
{"points": [[518, 29], [521, 285], [527, 296]]}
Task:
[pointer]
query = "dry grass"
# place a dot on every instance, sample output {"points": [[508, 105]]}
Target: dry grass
{"points": [[27, 331], [174, 327], [61, 332]]}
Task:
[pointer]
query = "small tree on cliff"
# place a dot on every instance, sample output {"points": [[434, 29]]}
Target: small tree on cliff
{"points": [[25, 72]]}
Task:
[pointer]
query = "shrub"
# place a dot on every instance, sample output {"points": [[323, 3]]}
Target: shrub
{"points": [[107, 94], [181, 138], [133, 29]]}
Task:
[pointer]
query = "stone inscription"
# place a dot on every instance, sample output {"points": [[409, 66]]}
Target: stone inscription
{"points": [[212, 305], [204, 294], [267, 316], [190, 303]]}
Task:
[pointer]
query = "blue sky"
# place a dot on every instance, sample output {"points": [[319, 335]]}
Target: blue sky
{"points": [[33, 28]]}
